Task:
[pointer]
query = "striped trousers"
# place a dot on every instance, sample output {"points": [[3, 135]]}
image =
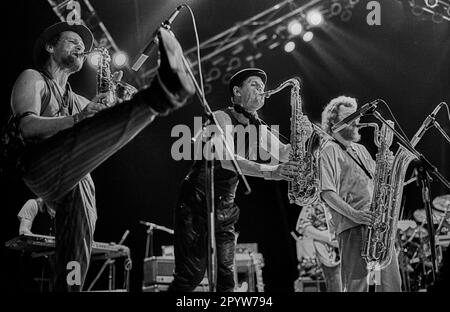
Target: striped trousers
{"points": [[57, 169]]}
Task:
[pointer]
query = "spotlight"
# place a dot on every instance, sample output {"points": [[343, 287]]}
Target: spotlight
{"points": [[94, 58], [295, 27], [346, 15], [314, 17], [120, 59], [417, 10], [233, 64], [289, 46], [336, 8], [308, 36], [437, 18], [213, 74], [431, 3]]}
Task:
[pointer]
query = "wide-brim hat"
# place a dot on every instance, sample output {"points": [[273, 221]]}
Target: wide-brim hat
{"points": [[243, 74], [39, 54]]}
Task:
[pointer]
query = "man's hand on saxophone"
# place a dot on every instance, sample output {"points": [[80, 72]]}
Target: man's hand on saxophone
{"points": [[92, 107], [363, 217], [286, 171]]}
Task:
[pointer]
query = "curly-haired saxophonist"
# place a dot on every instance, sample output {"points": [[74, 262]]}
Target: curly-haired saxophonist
{"points": [[347, 171]]}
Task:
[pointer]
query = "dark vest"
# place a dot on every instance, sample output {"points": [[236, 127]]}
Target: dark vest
{"points": [[225, 181]]}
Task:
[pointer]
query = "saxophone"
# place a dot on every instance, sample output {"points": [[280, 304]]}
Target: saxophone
{"points": [[304, 189], [118, 91], [378, 246]]}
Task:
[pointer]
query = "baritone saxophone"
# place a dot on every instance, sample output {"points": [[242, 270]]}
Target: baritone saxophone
{"points": [[378, 245]]}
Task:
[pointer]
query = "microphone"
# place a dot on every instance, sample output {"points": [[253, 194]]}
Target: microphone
{"points": [[423, 128], [351, 118], [149, 47]]}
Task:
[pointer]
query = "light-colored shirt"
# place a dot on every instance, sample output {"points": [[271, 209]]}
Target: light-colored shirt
{"points": [[342, 175], [29, 210]]}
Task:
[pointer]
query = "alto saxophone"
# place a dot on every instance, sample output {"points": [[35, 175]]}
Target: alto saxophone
{"points": [[378, 246], [304, 189], [117, 91]]}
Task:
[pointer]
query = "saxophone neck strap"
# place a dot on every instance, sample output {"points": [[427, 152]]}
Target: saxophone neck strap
{"points": [[356, 159], [254, 119]]}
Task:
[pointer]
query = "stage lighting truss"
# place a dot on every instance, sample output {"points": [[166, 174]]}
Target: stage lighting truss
{"points": [[102, 38], [437, 10], [341, 8], [247, 41]]}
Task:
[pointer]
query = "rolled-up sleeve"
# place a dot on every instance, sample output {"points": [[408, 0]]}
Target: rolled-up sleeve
{"points": [[29, 210]]}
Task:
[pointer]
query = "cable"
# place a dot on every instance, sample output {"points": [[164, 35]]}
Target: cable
{"points": [[273, 131], [393, 117], [448, 110], [197, 41]]}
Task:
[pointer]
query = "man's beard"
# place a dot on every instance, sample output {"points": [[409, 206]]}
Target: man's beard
{"points": [[72, 62], [350, 134]]}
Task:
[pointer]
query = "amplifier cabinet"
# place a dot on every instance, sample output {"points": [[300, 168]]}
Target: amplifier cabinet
{"points": [[309, 285], [158, 274], [158, 270]]}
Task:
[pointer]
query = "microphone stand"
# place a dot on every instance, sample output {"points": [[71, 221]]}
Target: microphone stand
{"points": [[424, 168], [112, 270], [149, 241], [438, 126], [210, 118]]}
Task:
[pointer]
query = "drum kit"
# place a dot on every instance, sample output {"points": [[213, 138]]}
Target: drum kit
{"points": [[415, 250]]}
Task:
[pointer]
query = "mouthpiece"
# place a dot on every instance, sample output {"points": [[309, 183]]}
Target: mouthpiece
{"points": [[84, 53], [266, 94]]}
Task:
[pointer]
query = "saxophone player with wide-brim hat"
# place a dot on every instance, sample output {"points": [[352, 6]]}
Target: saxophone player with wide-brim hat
{"points": [[347, 186], [60, 136]]}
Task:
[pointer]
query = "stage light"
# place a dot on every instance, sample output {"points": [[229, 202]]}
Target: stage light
{"points": [[437, 18], [94, 58], [120, 59], [346, 15], [308, 36], [213, 74], [336, 8], [289, 46], [233, 64], [431, 3], [417, 10], [314, 17], [295, 27]]}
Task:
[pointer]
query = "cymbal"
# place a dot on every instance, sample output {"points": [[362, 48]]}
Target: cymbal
{"points": [[442, 203], [421, 216]]}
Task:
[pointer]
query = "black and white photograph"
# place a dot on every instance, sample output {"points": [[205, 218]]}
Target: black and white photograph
{"points": [[249, 148]]}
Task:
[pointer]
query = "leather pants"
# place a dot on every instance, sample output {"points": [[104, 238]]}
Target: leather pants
{"points": [[191, 241]]}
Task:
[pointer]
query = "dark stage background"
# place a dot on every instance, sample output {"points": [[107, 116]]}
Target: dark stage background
{"points": [[405, 61]]}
